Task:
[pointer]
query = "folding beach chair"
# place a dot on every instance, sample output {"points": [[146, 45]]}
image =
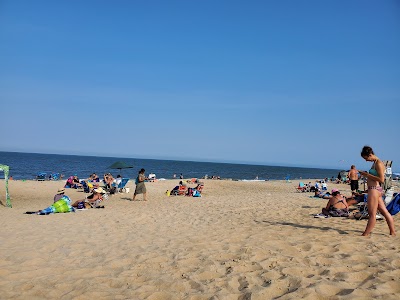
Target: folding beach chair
{"points": [[387, 184], [41, 176], [85, 186], [151, 177], [363, 207], [394, 205], [121, 186], [55, 176], [181, 190], [301, 188]]}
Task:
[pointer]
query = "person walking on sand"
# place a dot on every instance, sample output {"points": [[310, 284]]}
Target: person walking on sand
{"points": [[375, 176], [353, 176], [140, 187]]}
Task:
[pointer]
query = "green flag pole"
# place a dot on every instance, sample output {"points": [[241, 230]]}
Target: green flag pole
{"points": [[6, 170]]}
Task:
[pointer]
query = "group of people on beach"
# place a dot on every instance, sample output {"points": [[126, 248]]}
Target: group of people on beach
{"points": [[338, 204]]}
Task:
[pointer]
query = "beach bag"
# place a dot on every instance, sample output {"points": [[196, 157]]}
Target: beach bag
{"points": [[394, 206], [81, 205]]}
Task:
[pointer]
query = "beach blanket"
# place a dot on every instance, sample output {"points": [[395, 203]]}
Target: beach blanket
{"points": [[61, 206]]}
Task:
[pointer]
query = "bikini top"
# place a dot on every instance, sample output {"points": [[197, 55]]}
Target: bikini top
{"points": [[373, 171]]}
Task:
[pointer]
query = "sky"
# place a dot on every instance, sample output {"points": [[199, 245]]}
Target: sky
{"points": [[289, 83]]}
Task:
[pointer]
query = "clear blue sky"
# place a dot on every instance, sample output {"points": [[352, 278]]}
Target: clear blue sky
{"points": [[298, 83]]}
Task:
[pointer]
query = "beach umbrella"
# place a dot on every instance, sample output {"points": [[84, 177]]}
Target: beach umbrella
{"points": [[120, 165]]}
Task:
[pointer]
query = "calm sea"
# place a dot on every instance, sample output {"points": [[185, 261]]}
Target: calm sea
{"points": [[27, 165]]}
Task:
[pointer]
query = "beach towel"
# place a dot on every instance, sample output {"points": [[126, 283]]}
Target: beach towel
{"points": [[61, 206]]}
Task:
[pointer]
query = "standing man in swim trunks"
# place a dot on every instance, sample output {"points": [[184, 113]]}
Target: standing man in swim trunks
{"points": [[353, 176]]}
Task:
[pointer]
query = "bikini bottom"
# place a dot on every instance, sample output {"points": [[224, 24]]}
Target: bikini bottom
{"points": [[378, 188]]}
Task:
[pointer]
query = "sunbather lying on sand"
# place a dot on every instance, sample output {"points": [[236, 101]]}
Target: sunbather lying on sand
{"points": [[324, 195]]}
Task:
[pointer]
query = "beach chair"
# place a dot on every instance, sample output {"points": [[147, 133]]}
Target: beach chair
{"points": [[394, 205], [41, 176], [180, 191], [55, 176], [121, 186], [151, 177], [387, 184], [363, 208], [85, 186], [301, 188]]}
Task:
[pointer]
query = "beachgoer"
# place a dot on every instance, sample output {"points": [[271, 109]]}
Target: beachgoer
{"points": [[92, 200], [118, 180], [73, 182], [93, 178], [140, 187], [59, 195], [116, 183], [181, 176], [355, 198], [108, 180], [375, 176], [353, 176], [337, 205], [324, 186], [324, 195]]}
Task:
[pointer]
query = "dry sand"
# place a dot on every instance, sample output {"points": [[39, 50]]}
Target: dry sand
{"points": [[241, 240]]}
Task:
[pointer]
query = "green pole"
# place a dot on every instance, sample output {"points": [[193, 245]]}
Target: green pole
{"points": [[6, 170]]}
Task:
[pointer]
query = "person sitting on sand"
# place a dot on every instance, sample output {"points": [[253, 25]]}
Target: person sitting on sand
{"points": [[118, 180], [92, 200], [93, 178], [59, 195], [73, 182], [108, 180], [337, 205]]}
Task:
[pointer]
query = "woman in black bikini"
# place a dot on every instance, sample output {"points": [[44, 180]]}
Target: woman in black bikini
{"points": [[375, 176], [336, 206]]}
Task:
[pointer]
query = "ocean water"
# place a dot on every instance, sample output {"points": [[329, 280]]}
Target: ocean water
{"points": [[27, 165]]}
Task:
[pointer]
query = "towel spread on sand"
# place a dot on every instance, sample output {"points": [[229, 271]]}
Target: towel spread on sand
{"points": [[61, 206]]}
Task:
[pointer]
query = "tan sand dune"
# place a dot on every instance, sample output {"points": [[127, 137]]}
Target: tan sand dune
{"points": [[241, 240]]}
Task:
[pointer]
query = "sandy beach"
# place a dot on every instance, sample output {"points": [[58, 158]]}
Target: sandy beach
{"points": [[241, 240]]}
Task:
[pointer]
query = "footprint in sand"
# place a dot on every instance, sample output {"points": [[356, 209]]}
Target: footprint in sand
{"points": [[243, 284]]}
